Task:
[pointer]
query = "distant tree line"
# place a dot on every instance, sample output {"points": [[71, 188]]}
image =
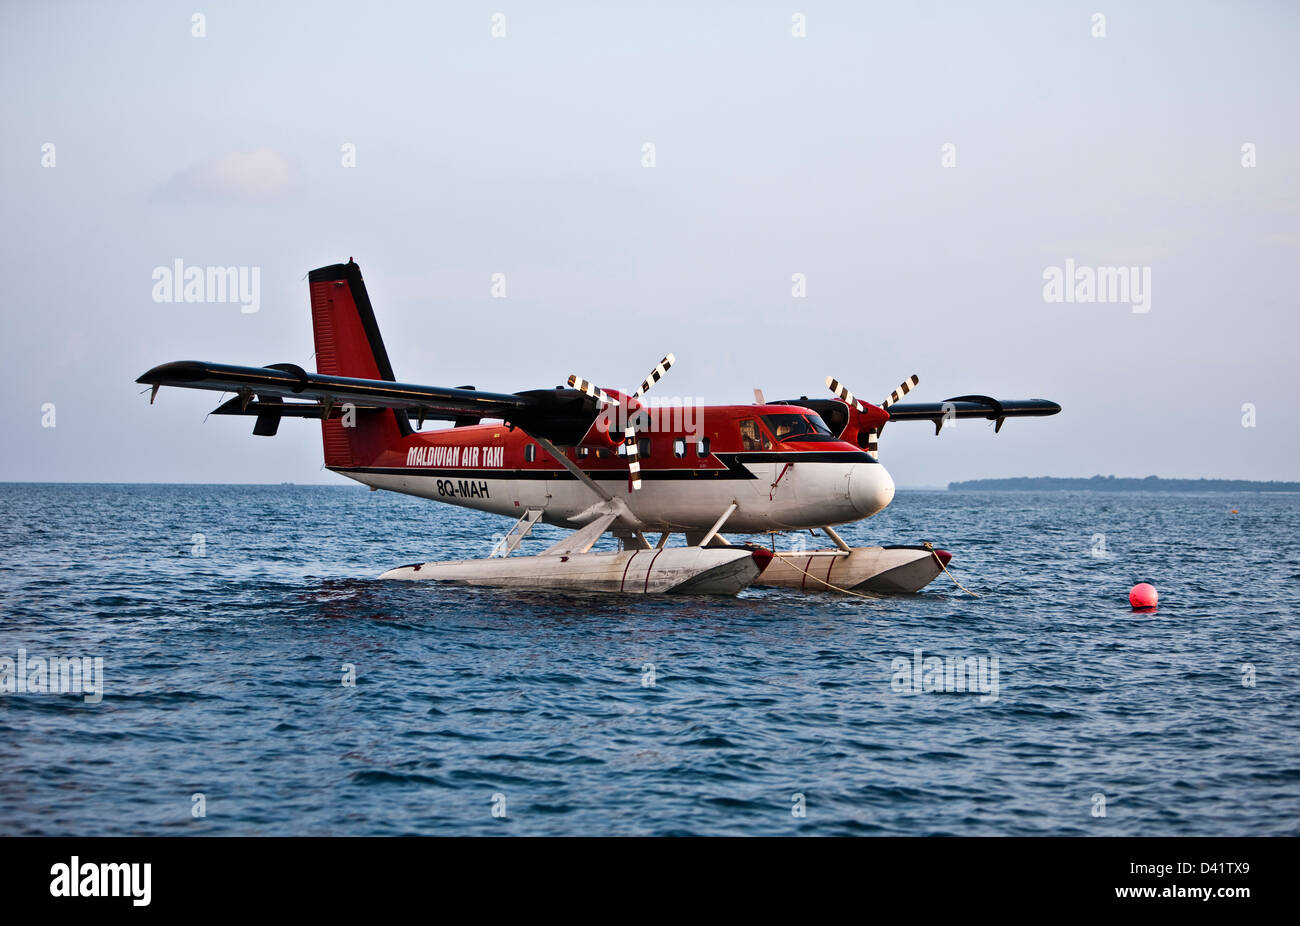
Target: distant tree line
{"points": [[1111, 484]]}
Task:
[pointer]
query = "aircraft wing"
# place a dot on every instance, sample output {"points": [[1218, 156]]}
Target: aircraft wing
{"points": [[287, 381], [972, 406], [560, 414]]}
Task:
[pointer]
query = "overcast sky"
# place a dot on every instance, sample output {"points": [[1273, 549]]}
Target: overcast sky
{"points": [[775, 155]]}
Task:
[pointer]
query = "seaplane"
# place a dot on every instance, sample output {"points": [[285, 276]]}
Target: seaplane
{"points": [[595, 459]]}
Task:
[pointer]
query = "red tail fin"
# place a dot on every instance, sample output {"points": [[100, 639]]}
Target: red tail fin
{"points": [[348, 344]]}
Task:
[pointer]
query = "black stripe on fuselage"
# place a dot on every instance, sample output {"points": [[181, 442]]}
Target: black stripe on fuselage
{"points": [[801, 456], [734, 470]]}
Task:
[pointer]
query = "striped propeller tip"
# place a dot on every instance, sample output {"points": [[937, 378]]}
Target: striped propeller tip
{"points": [[633, 452], [589, 388], [655, 375], [903, 389], [842, 391]]}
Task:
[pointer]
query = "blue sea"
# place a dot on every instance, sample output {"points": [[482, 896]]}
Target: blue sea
{"points": [[225, 617]]}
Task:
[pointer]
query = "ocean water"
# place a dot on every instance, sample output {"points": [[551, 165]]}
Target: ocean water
{"points": [[495, 712]]}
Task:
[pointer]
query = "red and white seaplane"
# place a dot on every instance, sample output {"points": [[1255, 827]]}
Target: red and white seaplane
{"points": [[599, 460]]}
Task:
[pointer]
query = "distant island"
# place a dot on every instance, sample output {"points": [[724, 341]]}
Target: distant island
{"points": [[1123, 484]]}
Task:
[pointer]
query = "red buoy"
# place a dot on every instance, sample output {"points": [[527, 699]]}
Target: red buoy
{"points": [[1143, 595]]}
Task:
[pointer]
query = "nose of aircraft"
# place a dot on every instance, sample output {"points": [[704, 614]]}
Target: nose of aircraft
{"points": [[870, 488]]}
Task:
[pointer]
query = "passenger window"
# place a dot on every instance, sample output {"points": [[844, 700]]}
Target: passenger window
{"points": [[643, 448], [583, 451], [702, 448], [679, 447], [530, 452]]}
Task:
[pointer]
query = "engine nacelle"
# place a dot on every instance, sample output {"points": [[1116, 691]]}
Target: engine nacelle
{"points": [[611, 422]]}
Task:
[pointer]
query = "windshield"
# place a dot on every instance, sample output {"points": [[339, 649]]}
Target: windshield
{"points": [[798, 427]]}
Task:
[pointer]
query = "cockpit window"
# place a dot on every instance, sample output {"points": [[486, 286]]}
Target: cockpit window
{"points": [[752, 436], [807, 427]]}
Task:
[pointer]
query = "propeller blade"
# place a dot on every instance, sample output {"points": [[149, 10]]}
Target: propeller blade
{"points": [[655, 375], [631, 449], [590, 388], [633, 459], [903, 389], [837, 387]]}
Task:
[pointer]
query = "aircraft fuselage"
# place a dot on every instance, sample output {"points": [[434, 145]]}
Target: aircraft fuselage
{"points": [[688, 478]]}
